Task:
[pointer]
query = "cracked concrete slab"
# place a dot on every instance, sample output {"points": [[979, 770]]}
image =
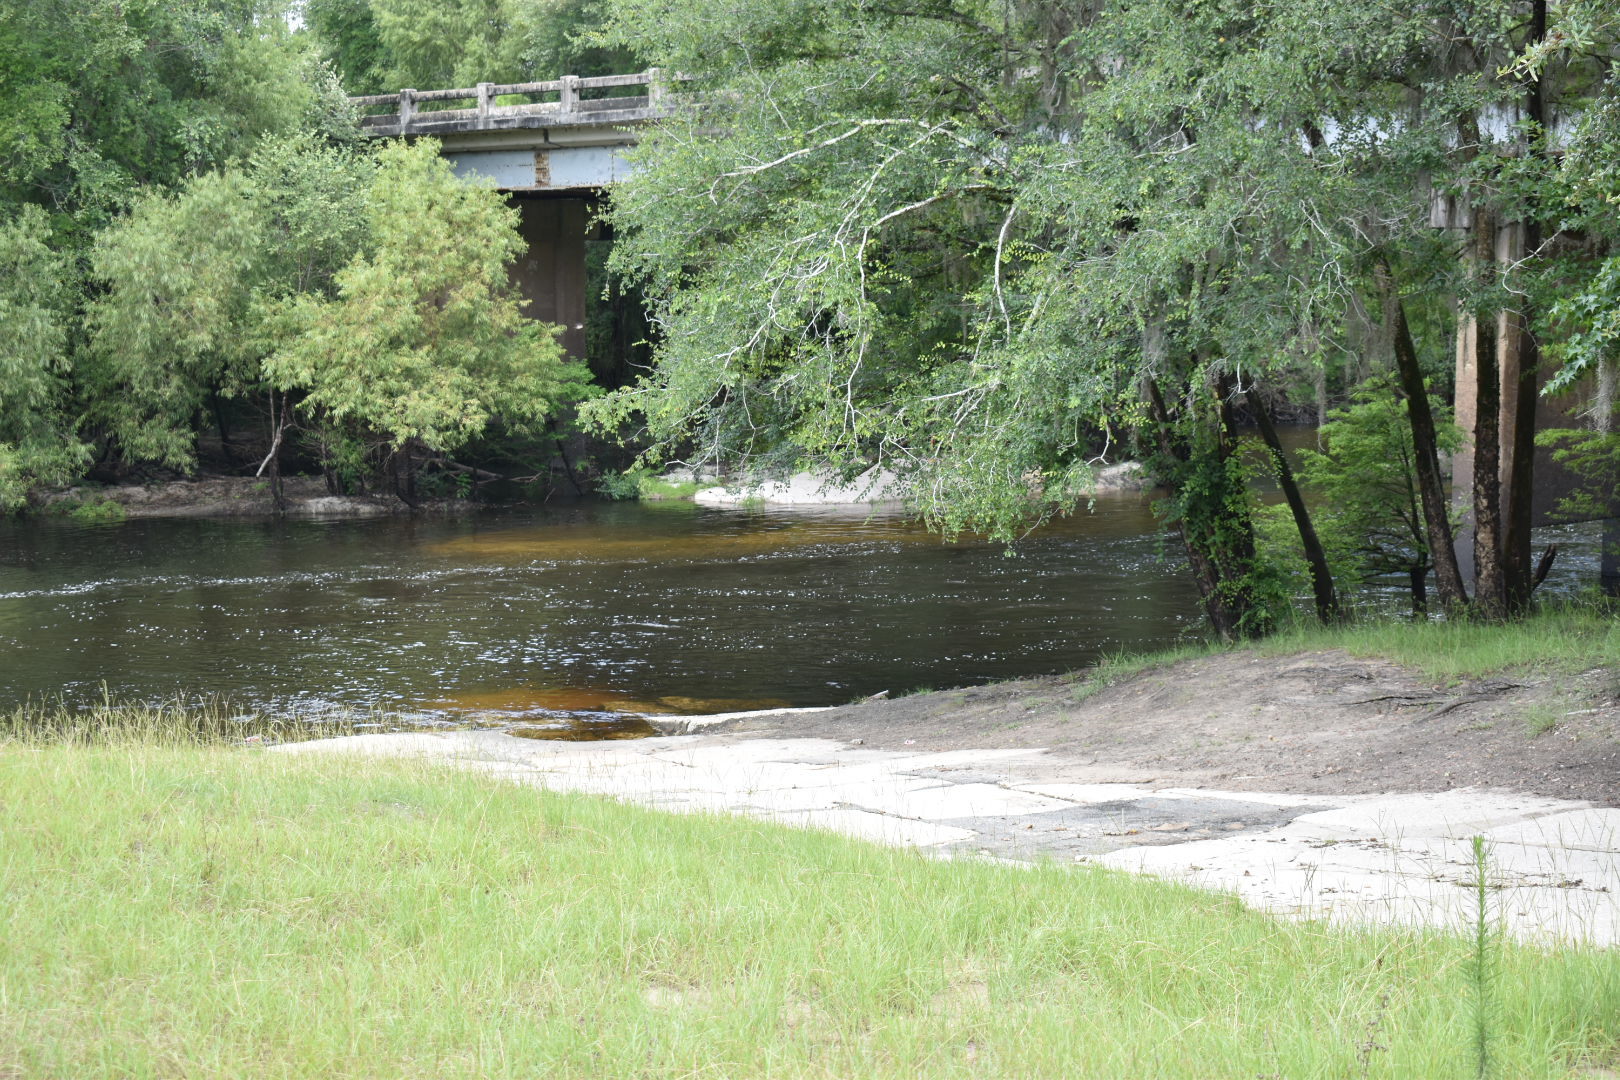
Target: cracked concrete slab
{"points": [[1450, 813], [1595, 829], [1398, 859]]}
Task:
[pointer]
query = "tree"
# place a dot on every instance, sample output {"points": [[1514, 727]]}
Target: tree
{"points": [[365, 294], [175, 323], [1582, 324], [1369, 507], [963, 241], [113, 105], [37, 446], [976, 240], [383, 45], [422, 343], [111, 95], [187, 277]]}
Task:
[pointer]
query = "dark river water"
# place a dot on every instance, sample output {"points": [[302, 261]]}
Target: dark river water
{"points": [[591, 606]]}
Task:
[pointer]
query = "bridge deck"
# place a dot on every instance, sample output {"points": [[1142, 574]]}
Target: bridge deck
{"points": [[569, 102]]}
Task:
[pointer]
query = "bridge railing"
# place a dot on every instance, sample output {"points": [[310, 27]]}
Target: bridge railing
{"points": [[570, 100]]}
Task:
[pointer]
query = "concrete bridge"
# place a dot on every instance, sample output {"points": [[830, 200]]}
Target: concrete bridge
{"points": [[552, 146]]}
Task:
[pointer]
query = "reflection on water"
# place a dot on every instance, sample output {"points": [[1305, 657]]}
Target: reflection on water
{"points": [[578, 714], [584, 609], [588, 729], [561, 707], [658, 540], [532, 617]]}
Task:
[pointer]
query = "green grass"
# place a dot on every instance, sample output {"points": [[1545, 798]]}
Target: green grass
{"points": [[640, 483], [231, 912], [654, 489], [1542, 717], [1559, 639], [1116, 668], [179, 722], [89, 508]]}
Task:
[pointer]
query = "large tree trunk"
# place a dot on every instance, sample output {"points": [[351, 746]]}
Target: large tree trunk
{"points": [[1205, 575], [1431, 487], [1520, 478], [1519, 381], [1490, 580], [1327, 602], [402, 468]]}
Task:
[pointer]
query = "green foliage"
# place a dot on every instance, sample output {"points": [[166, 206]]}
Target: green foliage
{"points": [[113, 95], [189, 276], [1582, 325], [639, 482], [383, 45], [622, 486], [176, 318], [424, 338], [202, 169], [347, 31], [1593, 455], [37, 446], [941, 238], [369, 293], [1210, 506], [958, 239], [1591, 316], [1367, 510], [655, 488], [98, 511]]}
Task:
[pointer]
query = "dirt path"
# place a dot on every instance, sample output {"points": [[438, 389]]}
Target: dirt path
{"points": [[1324, 723]]}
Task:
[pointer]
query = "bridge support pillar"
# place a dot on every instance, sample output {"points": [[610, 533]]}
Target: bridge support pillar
{"points": [[550, 274]]}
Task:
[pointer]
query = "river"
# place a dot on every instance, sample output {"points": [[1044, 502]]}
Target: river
{"points": [[580, 609], [588, 606]]}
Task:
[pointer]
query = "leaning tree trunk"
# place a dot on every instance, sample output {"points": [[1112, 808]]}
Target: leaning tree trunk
{"points": [[1206, 576], [270, 467], [1220, 551], [1431, 487], [1327, 601]]}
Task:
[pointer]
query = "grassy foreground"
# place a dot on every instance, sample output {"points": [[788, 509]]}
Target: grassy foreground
{"points": [[216, 912]]}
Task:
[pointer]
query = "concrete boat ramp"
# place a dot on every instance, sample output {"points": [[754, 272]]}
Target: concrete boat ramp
{"points": [[1399, 859]]}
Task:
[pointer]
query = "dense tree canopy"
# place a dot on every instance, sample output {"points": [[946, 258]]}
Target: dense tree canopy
{"points": [[423, 341], [985, 242], [36, 446], [385, 45], [110, 95], [362, 298], [197, 241]]}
